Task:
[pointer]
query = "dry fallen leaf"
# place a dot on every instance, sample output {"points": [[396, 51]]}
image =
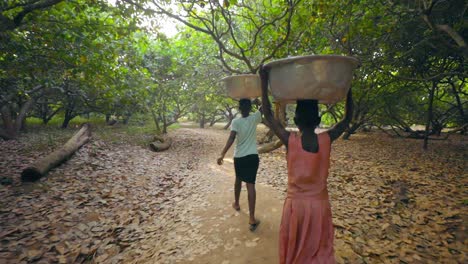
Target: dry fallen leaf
{"points": [[123, 203]]}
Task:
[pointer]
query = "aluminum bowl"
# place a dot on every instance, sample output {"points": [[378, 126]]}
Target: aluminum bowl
{"points": [[326, 78], [243, 86]]}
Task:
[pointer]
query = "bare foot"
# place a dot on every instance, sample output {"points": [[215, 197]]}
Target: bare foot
{"points": [[236, 207]]}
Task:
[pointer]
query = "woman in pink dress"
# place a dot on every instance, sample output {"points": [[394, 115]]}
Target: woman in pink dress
{"points": [[306, 231]]}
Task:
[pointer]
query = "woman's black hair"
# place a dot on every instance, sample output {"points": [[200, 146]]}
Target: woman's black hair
{"points": [[245, 105], [307, 114]]}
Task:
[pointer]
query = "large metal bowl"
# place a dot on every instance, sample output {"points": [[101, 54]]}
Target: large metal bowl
{"points": [[326, 78], [243, 86]]}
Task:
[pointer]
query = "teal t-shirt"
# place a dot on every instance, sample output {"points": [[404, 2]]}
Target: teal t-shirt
{"points": [[246, 139]]}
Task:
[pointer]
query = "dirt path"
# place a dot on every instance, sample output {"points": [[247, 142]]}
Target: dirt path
{"points": [[222, 224], [210, 231]]}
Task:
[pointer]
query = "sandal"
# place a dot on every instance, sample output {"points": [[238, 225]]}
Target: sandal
{"points": [[254, 226]]}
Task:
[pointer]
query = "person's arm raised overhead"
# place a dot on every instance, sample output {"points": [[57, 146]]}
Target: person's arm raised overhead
{"points": [[338, 129], [274, 124], [258, 114]]}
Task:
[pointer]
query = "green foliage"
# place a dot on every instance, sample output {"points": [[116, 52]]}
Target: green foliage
{"points": [[97, 58], [56, 121]]}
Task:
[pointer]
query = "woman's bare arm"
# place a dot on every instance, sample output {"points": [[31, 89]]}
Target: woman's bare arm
{"points": [[228, 145], [274, 124], [338, 129]]}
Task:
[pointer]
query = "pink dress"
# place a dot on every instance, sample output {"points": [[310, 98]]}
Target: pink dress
{"points": [[306, 231]]}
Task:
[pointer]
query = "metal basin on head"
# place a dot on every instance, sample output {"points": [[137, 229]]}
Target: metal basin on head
{"points": [[326, 78], [243, 86]]}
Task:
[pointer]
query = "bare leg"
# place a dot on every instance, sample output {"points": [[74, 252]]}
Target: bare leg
{"points": [[237, 190], [252, 197]]}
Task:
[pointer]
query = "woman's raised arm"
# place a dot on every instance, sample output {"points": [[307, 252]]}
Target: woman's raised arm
{"points": [[338, 129], [274, 124]]}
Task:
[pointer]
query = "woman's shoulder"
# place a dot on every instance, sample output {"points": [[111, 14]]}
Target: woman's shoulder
{"points": [[293, 133], [324, 135], [292, 136]]}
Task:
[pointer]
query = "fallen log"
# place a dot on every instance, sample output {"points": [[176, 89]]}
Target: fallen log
{"points": [[112, 122], [158, 138], [268, 137], [44, 165], [420, 136], [270, 146], [160, 144], [463, 129], [276, 143]]}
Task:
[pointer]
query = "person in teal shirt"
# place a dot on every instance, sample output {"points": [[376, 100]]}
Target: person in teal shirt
{"points": [[246, 160]]}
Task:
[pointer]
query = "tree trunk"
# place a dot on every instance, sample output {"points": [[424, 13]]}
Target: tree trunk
{"points": [[69, 115], [213, 120], [230, 117], [268, 136], [47, 118], [6, 135], [202, 121], [429, 114], [8, 132], [155, 119], [351, 130], [161, 144], [11, 129], [21, 118], [43, 114], [228, 124], [459, 103], [333, 114], [437, 128], [164, 119], [44, 165], [23, 127], [280, 114], [359, 117], [126, 119], [66, 121]]}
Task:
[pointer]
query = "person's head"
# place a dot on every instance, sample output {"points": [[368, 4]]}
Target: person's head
{"points": [[245, 106], [307, 114]]}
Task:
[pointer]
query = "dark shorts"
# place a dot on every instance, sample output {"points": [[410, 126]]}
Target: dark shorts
{"points": [[246, 168]]}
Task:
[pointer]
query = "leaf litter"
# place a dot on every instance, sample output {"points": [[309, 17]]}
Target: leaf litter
{"points": [[118, 203], [104, 205]]}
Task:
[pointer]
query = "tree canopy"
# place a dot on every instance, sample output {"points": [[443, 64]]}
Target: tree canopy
{"points": [[69, 58]]}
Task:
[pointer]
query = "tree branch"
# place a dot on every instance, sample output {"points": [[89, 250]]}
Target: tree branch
{"points": [[453, 34], [10, 24]]}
